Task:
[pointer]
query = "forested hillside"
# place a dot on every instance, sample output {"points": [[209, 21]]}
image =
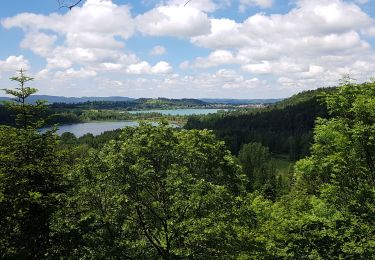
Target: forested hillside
{"points": [[286, 127], [156, 192]]}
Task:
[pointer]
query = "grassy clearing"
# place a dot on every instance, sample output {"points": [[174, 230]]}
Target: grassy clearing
{"points": [[284, 172]]}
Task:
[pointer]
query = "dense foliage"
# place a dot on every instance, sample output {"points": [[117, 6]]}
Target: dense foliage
{"points": [[156, 192]]}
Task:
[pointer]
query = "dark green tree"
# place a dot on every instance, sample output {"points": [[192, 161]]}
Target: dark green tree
{"points": [[30, 180], [255, 160], [27, 115]]}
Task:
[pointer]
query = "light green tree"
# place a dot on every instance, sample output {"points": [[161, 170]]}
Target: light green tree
{"points": [[341, 168], [156, 193]]}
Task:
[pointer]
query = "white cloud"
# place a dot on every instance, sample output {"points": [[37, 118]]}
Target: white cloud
{"points": [[215, 58], [139, 68], [158, 50], [225, 80], [40, 43], [13, 63], [96, 16], [92, 40], [258, 68], [176, 21], [144, 67], [72, 73], [370, 31], [225, 33], [161, 67]]}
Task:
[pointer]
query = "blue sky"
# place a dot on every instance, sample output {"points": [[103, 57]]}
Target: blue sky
{"points": [[208, 48]]}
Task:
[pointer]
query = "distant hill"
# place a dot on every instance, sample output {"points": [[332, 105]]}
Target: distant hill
{"points": [[240, 101], [189, 101], [304, 96], [71, 100], [168, 102], [284, 127]]}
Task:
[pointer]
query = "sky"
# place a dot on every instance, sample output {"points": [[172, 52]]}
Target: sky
{"points": [[204, 49]]}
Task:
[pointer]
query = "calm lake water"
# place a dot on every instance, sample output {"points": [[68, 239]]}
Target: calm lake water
{"points": [[181, 112], [96, 128]]}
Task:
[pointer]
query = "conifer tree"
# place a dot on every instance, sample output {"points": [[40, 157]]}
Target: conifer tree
{"points": [[27, 115], [30, 179]]}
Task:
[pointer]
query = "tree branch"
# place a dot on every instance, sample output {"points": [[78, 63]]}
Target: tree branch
{"points": [[62, 5], [186, 3]]}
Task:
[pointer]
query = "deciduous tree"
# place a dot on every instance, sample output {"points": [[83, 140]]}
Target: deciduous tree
{"points": [[157, 192]]}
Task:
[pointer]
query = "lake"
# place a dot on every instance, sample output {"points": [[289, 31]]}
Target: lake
{"points": [[95, 128], [98, 127], [181, 112]]}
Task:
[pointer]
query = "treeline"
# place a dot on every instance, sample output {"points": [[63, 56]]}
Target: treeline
{"points": [[69, 113], [137, 104], [286, 127], [50, 115], [53, 115], [156, 192]]}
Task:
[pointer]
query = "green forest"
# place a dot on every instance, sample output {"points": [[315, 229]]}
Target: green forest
{"points": [[219, 188]]}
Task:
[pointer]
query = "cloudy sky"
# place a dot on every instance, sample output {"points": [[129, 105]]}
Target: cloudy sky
{"points": [[208, 48]]}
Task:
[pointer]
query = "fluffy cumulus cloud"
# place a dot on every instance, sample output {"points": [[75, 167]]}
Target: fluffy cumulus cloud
{"points": [[144, 67], [174, 20], [95, 17], [216, 58], [40, 43], [13, 63]]}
